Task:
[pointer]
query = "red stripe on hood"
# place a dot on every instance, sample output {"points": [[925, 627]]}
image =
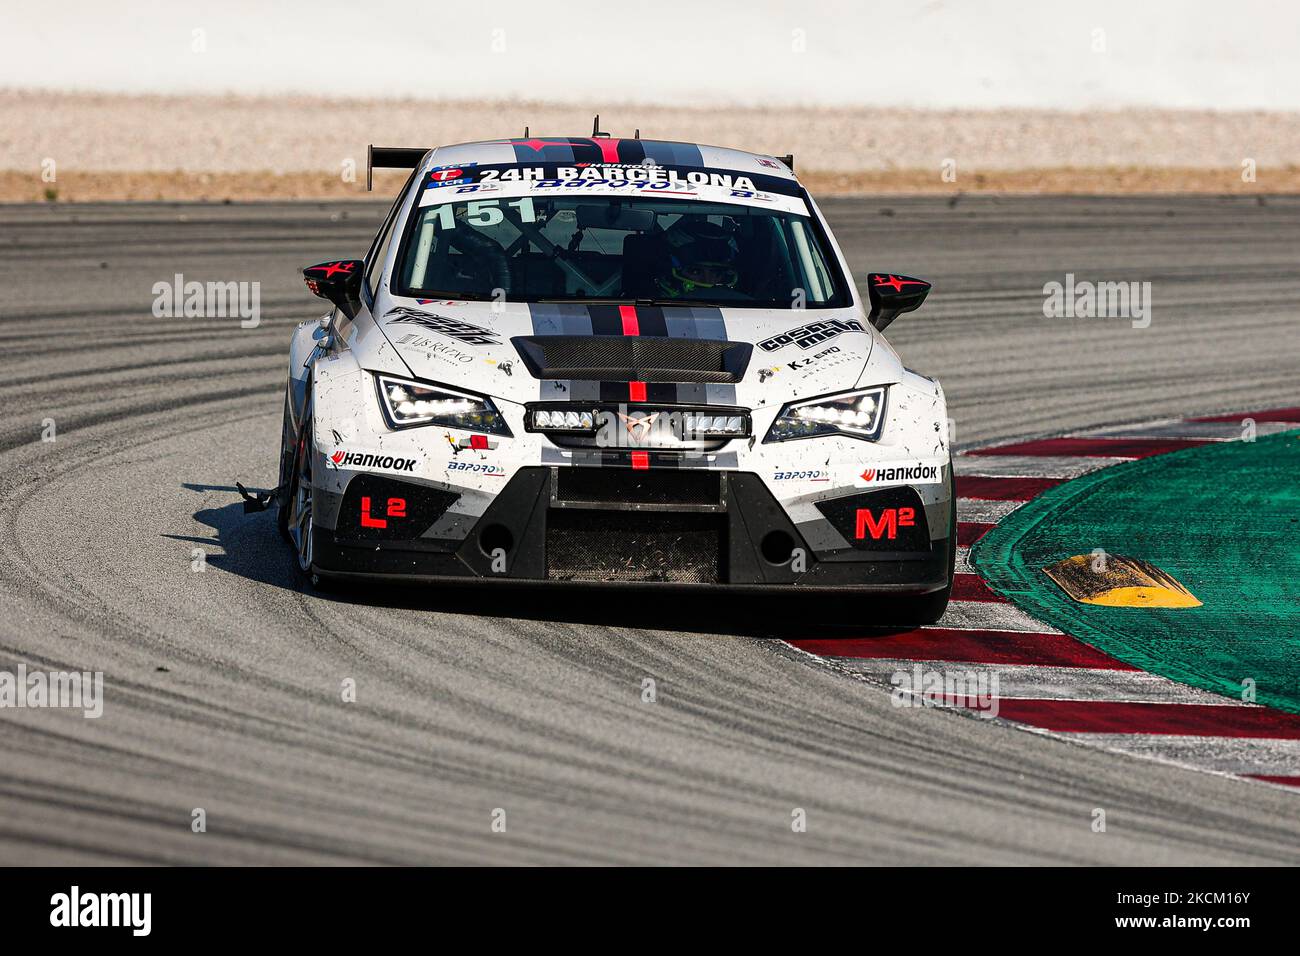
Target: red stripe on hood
{"points": [[631, 324], [608, 148]]}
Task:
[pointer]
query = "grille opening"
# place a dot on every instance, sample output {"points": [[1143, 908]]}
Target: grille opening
{"points": [[651, 487], [777, 546], [621, 546], [377, 508], [494, 537], [892, 519], [642, 358]]}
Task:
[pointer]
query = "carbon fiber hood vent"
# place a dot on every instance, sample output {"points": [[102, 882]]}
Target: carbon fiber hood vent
{"points": [[633, 358]]}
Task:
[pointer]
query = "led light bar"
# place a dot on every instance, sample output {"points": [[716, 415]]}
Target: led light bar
{"points": [[723, 425], [689, 424], [567, 420]]}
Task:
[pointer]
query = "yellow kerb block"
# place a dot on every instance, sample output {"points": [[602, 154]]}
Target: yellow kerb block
{"points": [[1113, 580]]}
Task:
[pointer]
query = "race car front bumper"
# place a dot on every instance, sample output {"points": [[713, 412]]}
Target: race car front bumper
{"points": [[696, 528]]}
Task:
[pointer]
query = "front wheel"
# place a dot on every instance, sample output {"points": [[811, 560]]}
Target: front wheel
{"points": [[286, 470], [296, 510]]}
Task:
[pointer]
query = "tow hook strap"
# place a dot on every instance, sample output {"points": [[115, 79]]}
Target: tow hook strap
{"points": [[256, 500]]}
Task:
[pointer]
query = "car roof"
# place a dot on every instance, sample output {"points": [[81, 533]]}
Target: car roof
{"points": [[537, 150]]}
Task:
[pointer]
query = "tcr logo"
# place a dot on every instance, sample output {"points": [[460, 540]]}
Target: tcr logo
{"points": [[886, 526], [396, 509]]}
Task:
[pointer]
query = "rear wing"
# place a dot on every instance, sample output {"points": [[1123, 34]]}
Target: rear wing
{"points": [[391, 157]]}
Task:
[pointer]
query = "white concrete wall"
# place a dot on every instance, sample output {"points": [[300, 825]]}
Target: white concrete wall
{"points": [[940, 53]]}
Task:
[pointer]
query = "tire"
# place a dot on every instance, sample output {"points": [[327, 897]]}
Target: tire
{"points": [[283, 471], [929, 608], [296, 515]]}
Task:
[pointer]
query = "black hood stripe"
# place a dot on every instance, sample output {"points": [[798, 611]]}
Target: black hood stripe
{"points": [[577, 319], [610, 319]]}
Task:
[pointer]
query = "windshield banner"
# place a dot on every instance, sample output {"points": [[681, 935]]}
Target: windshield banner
{"points": [[458, 183]]}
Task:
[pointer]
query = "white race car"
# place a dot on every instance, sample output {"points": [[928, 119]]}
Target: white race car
{"points": [[625, 361]]}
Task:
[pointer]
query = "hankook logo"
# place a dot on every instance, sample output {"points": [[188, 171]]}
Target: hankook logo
{"points": [[918, 473], [356, 459]]}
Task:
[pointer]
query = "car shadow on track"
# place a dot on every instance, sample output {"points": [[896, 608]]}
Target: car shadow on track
{"points": [[247, 545], [253, 549]]}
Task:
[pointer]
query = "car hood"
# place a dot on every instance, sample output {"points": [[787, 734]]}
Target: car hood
{"points": [[718, 356]]}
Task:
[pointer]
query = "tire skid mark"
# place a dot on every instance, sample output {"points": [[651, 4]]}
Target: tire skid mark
{"points": [[465, 710]]}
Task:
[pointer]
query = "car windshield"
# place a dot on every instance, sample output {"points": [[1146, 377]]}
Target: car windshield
{"points": [[582, 248]]}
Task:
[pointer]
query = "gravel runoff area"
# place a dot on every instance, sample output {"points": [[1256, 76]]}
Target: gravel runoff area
{"points": [[108, 146]]}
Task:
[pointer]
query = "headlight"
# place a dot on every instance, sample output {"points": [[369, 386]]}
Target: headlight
{"points": [[859, 414], [417, 403]]}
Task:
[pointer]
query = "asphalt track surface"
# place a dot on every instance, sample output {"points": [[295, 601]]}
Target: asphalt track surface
{"points": [[223, 687]]}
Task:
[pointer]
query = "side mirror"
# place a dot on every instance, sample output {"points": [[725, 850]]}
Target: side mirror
{"points": [[339, 282], [893, 295]]}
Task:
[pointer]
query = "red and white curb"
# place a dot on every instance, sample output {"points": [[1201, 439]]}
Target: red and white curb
{"points": [[1054, 684]]}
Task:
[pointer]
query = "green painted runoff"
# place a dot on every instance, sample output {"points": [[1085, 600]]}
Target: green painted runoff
{"points": [[1222, 518]]}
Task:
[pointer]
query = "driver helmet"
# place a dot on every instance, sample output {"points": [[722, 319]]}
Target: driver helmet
{"points": [[705, 260]]}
